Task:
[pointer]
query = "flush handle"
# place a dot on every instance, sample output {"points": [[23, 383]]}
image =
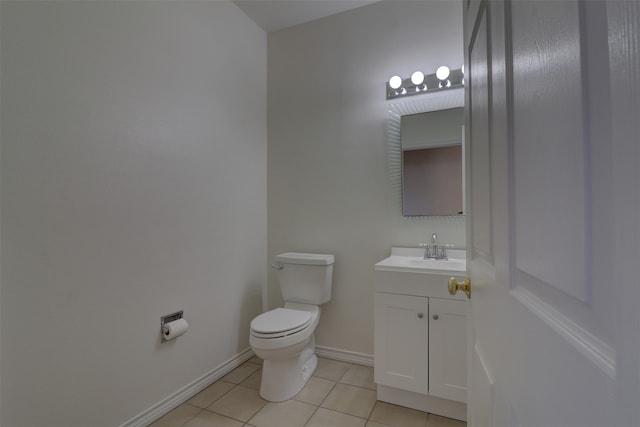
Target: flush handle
{"points": [[277, 266], [455, 286]]}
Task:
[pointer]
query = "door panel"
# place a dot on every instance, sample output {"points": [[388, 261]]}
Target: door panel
{"points": [[481, 411], [548, 323], [479, 229], [624, 53], [479, 72], [551, 175]]}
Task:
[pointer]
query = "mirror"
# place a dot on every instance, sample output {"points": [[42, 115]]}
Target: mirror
{"points": [[426, 154], [432, 162]]}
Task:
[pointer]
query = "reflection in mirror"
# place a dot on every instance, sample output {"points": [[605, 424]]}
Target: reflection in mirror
{"points": [[439, 174], [432, 162]]}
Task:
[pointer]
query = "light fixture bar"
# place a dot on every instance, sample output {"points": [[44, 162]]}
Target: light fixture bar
{"points": [[430, 84]]}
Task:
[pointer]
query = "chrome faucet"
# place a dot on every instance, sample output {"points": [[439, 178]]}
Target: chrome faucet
{"points": [[434, 251]]}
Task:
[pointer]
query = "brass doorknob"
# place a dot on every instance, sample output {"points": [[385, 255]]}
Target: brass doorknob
{"points": [[455, 286]]}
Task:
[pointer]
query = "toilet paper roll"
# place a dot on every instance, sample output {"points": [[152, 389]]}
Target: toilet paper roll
{"points": [[174, 329]]}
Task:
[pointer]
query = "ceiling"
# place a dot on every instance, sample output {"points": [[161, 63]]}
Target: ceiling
{"points": [[273, 15]]}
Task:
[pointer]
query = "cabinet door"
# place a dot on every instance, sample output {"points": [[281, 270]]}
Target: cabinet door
{"points": [[401, 328], [448, 349]]}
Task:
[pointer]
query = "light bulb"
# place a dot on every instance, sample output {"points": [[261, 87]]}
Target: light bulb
{"points": [[442, 73], [417, 78], [395, 82]]}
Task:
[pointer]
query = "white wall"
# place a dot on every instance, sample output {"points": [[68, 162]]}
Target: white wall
{"points": [[328, 176], [133, 185]]}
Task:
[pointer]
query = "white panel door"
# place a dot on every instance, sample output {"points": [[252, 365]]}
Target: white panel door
{"points": [[401, 342], [554, 202], [448, 349]]}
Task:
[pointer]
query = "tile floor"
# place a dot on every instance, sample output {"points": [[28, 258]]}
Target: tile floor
{"points": [[338, 395]]}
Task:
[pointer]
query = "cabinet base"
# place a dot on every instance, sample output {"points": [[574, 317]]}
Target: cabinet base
{"points": [[423, 402]]}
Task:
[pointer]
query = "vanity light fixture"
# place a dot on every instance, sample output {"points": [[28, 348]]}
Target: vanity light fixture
{"points": [[419, 82], [443, 73], [395, 83], [417, 79]]}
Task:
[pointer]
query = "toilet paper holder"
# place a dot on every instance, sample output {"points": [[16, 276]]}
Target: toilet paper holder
{"points": [[169, 318]]}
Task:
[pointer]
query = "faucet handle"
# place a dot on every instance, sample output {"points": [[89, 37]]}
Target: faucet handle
{"points": [[442, 252], [428, 250]]}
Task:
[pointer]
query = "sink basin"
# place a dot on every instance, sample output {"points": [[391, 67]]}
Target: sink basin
{"points": [[444, 264], [411, 260]]}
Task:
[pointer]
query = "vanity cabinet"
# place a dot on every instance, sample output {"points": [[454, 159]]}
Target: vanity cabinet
{"points": [[448, 349], [401, 341], [420, 341], [420, 345]]}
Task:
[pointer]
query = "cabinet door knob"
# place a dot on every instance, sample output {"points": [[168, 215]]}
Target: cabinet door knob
{"points": [[420, 315], [436, 317]]}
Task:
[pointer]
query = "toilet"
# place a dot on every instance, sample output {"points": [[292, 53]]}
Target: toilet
{"points": [[284, 337]]}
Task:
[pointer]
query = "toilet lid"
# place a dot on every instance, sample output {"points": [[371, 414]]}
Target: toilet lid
{"points": [[281, 320]]}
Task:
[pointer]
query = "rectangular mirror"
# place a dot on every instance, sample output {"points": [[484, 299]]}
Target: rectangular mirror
{"points": [[432, 162], [426, 154]]}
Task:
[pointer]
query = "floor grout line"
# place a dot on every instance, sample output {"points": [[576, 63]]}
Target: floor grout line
{"points": [[356, 377], [193, 416], [314, 412]]}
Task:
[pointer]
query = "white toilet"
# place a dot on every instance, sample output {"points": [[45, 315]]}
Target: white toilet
{"points": [[283, 337]]}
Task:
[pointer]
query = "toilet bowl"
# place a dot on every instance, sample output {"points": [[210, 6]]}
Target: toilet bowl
{"points": [[284, 337]]}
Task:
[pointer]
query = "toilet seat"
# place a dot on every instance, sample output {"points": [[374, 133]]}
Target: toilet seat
{"points": [[280, 322]]}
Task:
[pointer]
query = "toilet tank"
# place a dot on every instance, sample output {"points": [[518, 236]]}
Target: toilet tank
{"points": [[305, 278]]}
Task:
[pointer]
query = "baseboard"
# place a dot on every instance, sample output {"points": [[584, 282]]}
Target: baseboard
{"points": [[344, 355], [164, 406]]}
